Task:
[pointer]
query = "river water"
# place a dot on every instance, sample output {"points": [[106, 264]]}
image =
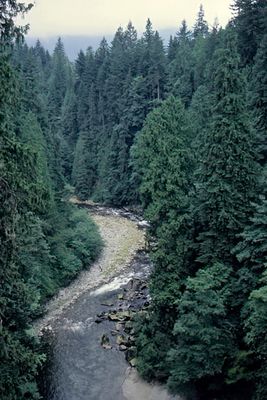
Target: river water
{"points": [[78, 367]]}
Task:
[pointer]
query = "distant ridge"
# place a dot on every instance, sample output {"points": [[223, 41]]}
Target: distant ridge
{"points": [[73, 44]]}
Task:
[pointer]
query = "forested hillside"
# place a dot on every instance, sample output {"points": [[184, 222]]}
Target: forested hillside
{"points": [[44, 241], [179, 129]]}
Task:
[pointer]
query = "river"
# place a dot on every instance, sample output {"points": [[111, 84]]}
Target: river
{"points": [[79, 368]]}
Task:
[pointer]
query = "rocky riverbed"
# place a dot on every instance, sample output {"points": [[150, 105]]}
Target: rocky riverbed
{"points": [[88, 327], [121, 310]]}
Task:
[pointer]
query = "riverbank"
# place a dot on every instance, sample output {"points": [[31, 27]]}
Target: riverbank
{"points": [[79, 368], [122, 239]]}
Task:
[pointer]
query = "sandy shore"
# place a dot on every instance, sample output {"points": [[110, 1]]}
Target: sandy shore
{"points": [[122, 239]]}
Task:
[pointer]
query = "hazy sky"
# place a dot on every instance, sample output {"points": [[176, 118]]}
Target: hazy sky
{"points": [[102, 17]]}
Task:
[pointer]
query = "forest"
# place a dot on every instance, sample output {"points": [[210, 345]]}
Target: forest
{"points": [[177, 128]]}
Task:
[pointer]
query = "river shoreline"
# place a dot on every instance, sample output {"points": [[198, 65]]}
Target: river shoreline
{"points": [[122, 241], [79, 368]]}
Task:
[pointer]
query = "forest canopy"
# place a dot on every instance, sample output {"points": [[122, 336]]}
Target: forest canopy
{"points": [[178, 129]]}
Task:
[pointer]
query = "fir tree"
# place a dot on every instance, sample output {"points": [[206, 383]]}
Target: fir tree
{"points": [[160, 157], [201, 26], [228, 172], [251, 25], [259, 98], [203, 338], [152, 64], [255, 324], [181, 74]]}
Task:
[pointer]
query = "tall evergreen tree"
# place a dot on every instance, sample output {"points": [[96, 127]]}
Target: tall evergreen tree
{"points": [[59, 86], [256, 325], [204, 339], [181, 74], [201, 26], [251, 25], [228, 172], [84, 174], [259, 98], [160, 157], [152, 64], [18, 193]]}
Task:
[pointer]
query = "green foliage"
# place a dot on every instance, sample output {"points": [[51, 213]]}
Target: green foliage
{"points": [[152, 343], [256, 324], [115, 89], [19, 192], [253, 246], [161, 159], [202, 332], [259, 98], [36, 257], [203, 335], [19, 363], [252, 251], [107, 125], [228, 172], [201, 26], [75, 244], [59, 80], [81, 172], [251, 25], [11, 9], [181, 80], [162, 143], [160, 156]]}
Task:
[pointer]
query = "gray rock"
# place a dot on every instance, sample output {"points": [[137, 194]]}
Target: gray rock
{"points": [[105, 342]]}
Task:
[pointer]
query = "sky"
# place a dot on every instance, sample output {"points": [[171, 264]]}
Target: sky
{"points": [[102, 17]]}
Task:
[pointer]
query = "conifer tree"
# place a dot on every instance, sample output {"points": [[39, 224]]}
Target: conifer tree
{"points": [[203, 338], [58, 80], [180, 70], [172, 48], [255, 325], [84, 174], [251, 25], [259, 99], [19, 361], [160, 157], [252, 248], [228, 172], [59, 86], [201, 26], [152, 65]]}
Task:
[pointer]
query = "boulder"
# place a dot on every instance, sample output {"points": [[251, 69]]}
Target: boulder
{"points": [[119, 326], [102, 315], [105, 342], [120, 316], [131, 353], [131, 340], [107, 304], [121, 340], [128, 326], [133, 362]]}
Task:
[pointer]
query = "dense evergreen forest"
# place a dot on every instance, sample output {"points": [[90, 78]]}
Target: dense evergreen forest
{"points": [[44, 241], [179, 129]]}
